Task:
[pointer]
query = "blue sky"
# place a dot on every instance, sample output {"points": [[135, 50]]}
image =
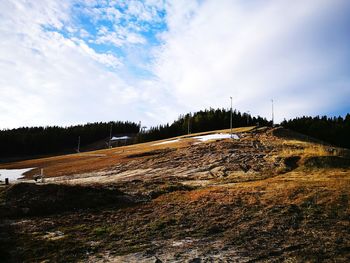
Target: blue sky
{"points": [[119, 28], [74, 61]]}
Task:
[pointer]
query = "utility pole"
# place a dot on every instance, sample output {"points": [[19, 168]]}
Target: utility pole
{"points": [[188, 123], [248, 112], [110, 136], [231, 118], [272, 113], [42, 175], [78, 148]]}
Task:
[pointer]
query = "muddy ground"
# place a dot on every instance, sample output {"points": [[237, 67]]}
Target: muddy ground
{"points": [[271, 196]]}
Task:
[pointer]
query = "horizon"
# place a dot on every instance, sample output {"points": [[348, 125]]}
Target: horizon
{"points": [[179, 116], [77, 62]]}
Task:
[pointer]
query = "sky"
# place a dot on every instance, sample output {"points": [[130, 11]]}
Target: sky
{"points": [[66, 62]]}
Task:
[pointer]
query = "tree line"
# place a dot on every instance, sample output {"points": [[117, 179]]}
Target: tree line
{"points": [[207, 120], [334, 130], [53, 139], [29, 141]]}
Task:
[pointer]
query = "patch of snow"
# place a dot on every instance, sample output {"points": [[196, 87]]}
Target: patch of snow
{"points": [[216, 136], [172, 141], [120, 138], [13, 174], [235, 136]]}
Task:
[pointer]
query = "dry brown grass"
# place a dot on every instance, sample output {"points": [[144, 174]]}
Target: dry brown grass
{"points": [[299, 215], [304, 149], [101, 159]]}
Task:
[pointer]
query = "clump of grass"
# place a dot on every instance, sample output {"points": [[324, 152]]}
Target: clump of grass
{"points": [[101, 230], [304, 149], [316, 150], [163, 223]]}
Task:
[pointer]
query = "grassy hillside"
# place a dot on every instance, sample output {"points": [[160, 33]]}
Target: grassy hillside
{"points": [[271, 195]]}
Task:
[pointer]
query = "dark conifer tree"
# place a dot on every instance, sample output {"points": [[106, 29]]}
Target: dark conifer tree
{"points": [[334, 130]]}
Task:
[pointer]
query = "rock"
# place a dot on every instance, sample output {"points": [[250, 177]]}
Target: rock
{"points": [[218, 171]]}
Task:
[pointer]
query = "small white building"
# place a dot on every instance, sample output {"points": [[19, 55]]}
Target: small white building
{"points": [[122, 138], [119, 141]]}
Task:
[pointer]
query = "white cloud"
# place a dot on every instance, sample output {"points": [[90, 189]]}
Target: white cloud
{"points": [[129, 20], [120, 37], [214, 50], [83, 33], [46, 78], [251, 50], [108, 60], [113, 14]]}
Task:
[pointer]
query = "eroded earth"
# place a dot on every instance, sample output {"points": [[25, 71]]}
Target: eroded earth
{"points": [[270, 196]]}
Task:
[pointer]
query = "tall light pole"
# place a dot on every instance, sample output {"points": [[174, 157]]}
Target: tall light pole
{"points": [[272, 113], [231, 118], [248, 112], [110, 135]]}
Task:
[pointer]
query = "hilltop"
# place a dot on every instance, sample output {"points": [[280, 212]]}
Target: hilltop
{"points": [[267, 194], [35, 142]]}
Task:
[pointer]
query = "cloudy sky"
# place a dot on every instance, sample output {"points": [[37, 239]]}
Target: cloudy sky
{"points": [[66, 62]]}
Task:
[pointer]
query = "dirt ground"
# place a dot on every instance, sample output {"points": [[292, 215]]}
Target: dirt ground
{"points": [[270, 196]]}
